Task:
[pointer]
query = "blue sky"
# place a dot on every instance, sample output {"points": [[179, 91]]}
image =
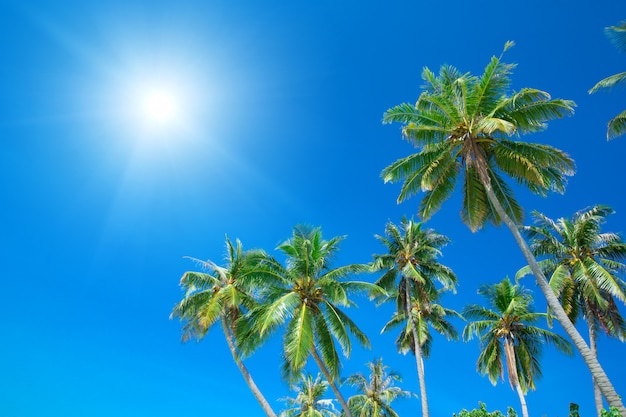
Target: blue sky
{"points": [[282, 125]]}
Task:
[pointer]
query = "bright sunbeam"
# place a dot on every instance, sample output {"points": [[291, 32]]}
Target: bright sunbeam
{"points": [[159, 107]]}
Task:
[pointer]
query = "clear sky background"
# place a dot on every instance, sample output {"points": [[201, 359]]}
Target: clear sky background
{"points": [[282, 104]]}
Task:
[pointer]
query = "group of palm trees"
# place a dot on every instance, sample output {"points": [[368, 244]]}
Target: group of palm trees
{"points": [[462, 126]]}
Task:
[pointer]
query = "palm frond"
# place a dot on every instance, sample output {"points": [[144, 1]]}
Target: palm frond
{"points": [[298, 340], [609, 82], [616, 126]]}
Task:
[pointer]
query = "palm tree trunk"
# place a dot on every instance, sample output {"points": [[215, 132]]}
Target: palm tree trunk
{"points": [[522, 399], [244, 371], [511, 366], [597, 395], [591, 361], [320, 363], [418, 352]]}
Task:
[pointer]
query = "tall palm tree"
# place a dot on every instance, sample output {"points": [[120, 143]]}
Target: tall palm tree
{"points": [[583, 264], [223, 294], [308, 401], [411, 274], [508, 337], [463, 124], [617, 125], [306, 296], [377, 391]]}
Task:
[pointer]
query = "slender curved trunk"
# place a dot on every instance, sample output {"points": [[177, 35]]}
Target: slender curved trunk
{"points": [[418, 353], [511, 366], [320, 363], [597, 395], [599, 376], [522, 399], [244, 371]]}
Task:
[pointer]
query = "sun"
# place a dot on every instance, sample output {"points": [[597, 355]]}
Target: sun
{"points": [[159, 106]]}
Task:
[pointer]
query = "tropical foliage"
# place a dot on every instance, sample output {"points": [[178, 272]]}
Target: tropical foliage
{"points": [[617, 125], [481, 411], [376, 391], [412, 272], [306, 298], [508, 336], [463, 124], [583, 264], [465, 129], [223, 294], [308, 401]]}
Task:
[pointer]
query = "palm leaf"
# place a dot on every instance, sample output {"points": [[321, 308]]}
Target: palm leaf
{"points": [[616, 126], [299, 338], [609, 82]]}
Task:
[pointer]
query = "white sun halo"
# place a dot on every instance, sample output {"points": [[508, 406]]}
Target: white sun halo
{"points": [[159, 107]]}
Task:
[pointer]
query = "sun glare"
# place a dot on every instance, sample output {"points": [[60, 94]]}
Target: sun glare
{"points": [[159, 107]]}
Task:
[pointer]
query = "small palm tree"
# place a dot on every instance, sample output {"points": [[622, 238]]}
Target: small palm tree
{"points": [[306, 296], [583, 266], [223, 294], [463, 125], [377, 391], [617, 125], [411, 274], [508, 337], [308, 401]]}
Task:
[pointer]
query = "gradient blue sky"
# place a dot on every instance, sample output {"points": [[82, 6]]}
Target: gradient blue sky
{"points": [[283, 126]]}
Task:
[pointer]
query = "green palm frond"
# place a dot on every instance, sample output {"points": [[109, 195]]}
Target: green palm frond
{"points": [[505, 196], [609, 82], [541, 168], [617, 126], [617, 34], [299, 338], [324, 330], [476, 207], [494, 81], [268, 317], [529, 109]]}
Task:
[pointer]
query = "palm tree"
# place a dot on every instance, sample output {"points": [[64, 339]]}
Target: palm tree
{"points": [[617, 125], [582, 264], [306, 296], [411, 273], [508, 337], [222, 294], [377, 391], [308, 401], [462, 124]]}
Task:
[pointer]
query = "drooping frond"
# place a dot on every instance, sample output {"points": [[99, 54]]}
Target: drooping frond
{"points": [[541, 168], [529, 110], [617, 34], [616, 126], [299, 338], [609, 82]]}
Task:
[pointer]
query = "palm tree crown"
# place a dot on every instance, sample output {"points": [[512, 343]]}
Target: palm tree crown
{"points": [[308, 401], [225, 294], [220, 292], [411, 275], [307, 296], [583, 263], [376, 391], [508, 337], [462, 124]]}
